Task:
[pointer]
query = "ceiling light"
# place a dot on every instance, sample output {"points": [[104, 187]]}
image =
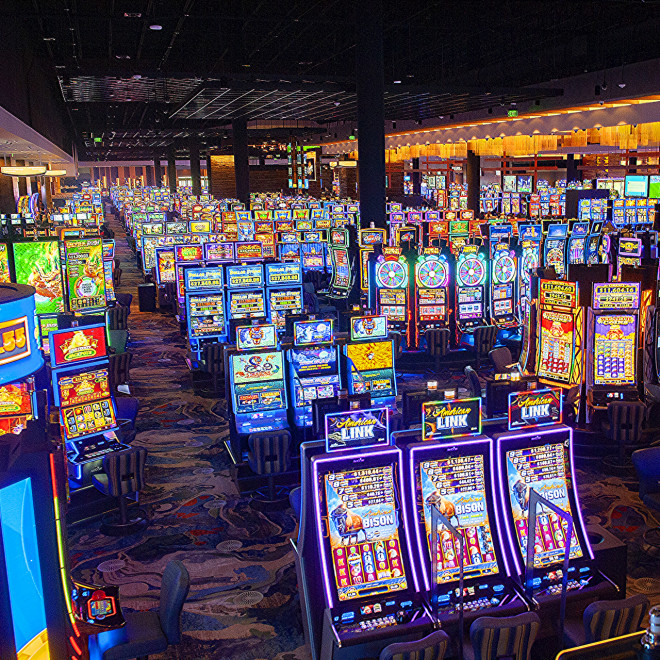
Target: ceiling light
{"points": [[26, 170], [137, 76], [156, 27], [397, 82], [622, 84], [55, 173], [130, 14]]}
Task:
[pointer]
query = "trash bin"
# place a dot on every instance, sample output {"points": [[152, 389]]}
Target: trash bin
{"points": [[147, 297]]}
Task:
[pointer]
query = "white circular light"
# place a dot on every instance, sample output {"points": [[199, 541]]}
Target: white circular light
{"points": [[155, 26]]}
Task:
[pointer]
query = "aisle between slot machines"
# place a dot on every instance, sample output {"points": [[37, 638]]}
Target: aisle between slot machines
{"points": [[45, 613], [354, 536]]}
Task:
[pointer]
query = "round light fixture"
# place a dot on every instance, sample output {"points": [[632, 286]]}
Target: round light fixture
{"points": [[55, 173], [24, 170], [156, 27]]}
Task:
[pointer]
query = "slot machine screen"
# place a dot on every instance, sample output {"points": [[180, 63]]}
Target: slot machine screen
{"points": [[503, 299], [614, 349], [206, 314], [545, 469], [244, 277], [38, 264], [556, 339], [459, 484], [246, 304], [393, 303], [374, 366], [342, 269], [165, 265], [371, 562], [470, 303], [312, 333], [432, 304], [74, 345], [282, 302], [258, 380]]}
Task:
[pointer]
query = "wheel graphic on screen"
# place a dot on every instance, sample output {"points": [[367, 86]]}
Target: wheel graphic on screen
{"points": [[505, 269], [391, 274], [555, 256], [432, 274], [529, 262], [471, 272]]}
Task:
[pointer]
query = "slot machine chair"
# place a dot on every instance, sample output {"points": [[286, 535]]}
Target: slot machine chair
{"points": [[502, 360], [120, 369], [127, 411], [412, 406], [213, 359], [117, 317], [147, 633], [484, 341], [397, 343], [624, 427], [473, 383], [433, 646], [269, 455], [502, 637], [295, 501], [647, 466], [606, 619], [122, 478], [437, 344]]}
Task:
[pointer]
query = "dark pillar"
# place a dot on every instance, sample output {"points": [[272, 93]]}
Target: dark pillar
{"points": [[114, 175], [416, 177], [473, 178], [195, 168], [208, 173], [22, 181], [158, 172], [632, 163], [371, 111], [171, 171], [148, 176], [572, 173], [241, 160], [7, 201]]}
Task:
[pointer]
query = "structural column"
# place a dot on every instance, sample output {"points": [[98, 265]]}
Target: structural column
{"points": [[148, 175], [241, 160], [171, 171], [22, 181], [473, 178], [572, 173], [371, 111], [195, 168], [208, 173], [7, 200], [158, 172]]}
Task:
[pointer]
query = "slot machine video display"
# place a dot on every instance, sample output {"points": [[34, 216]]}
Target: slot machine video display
{"points": [[577, 243], [554, 249], [370, 586], [560, 333], [246, 298], [613, 337], [504, 287], [205, 306], [471, 277], [370, 360], [392, 289], [283, 292], [256, 371], [342, 276], [313, 367], [85, 274], [431, 289], [593, 249], [37, 264], [185, 256], [529, 238], [313, 248]]}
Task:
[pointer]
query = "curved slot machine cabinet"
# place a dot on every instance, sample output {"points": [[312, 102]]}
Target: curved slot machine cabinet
{"points": [[391, 278], [453, 468], [554, 249], [541, 458], [370, 586], [594, 244], [431, 291], [504, 288], [205, 307], [577, 243], [471, 294], [284, 292]]}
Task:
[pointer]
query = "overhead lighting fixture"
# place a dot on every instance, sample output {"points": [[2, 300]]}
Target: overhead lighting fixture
{"points": [[24, 170], [156, 27], [132, 14], [397, 82], [55, 173]]}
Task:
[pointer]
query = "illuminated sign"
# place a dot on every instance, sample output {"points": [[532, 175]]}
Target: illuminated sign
{"points": [[77, 345], [616, 295], [368, 327], [85, 274], [255, 337], [203, 278], [248, 250], [288, 273], [243, 277], [14, 340], [356, 428], [188, 253], [312, 333], [451, 419], [558, 293], [534, 408]]}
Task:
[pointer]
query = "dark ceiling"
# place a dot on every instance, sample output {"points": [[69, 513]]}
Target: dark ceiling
{"points": [[290, 64]]}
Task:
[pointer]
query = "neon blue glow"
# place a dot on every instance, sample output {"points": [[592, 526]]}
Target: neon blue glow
{"points": [[21, 554]]}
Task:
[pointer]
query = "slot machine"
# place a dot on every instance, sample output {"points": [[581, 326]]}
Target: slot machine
{"points": [[577, 243], [629, 254], [85, 275], [560, 329], [453, 468], [367, 238], [471, 277], [284, 292], [81, 388], [541, 458], [370, 360], [165, 268], [497, 234], [313, 250], [342, 276], [314, 371], [504, 288], [370, 593], [185, 256], [459, 233], [246, 296], [289, 248], [529, 241], [554, 248], [256, 374], [391, 283], [613, 328], [108, 269], [594, 241], [431, 304], [205, 307]]}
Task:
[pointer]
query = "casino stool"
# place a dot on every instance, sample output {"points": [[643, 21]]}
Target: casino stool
{"points": [[117, 317], [213, 357], [606, 619], [568, 404], [120, 369], [431, 647], [147, 633], [473, 383], [295, 500], [122, 476], [437, 344], [484, 340], [647, 466], [410, 435], [397, 343], [412, 406], [269, 454], [625, 420], [502, 360], [127, 410], [502, 637], [116, 273], [125, 300]]}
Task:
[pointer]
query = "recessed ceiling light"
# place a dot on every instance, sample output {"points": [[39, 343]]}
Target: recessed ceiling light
{"points": [[397, 82], [155, 26]]}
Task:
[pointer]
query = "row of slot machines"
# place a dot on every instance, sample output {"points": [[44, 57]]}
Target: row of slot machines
{"points": [[388, 521], [263, 375]]}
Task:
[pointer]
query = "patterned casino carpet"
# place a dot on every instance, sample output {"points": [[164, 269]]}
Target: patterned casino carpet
{"points": [[243, 602]]}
